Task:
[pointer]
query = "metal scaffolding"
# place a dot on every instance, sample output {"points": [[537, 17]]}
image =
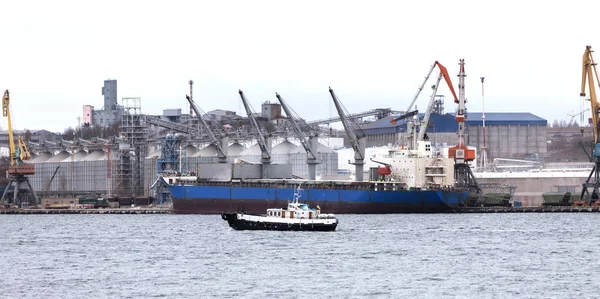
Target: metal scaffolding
{"points": [[132, 149], [171, 155]]}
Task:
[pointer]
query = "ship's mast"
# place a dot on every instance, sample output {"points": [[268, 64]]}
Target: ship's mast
{"points": [[484, 148], [461, 114]]}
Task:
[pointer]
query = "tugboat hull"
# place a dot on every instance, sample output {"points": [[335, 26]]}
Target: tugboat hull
{"points": [[238, 222]]}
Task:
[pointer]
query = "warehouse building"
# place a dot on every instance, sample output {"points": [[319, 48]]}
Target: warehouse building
{"points": [[517, 135], [508, 134], [442, 129]]}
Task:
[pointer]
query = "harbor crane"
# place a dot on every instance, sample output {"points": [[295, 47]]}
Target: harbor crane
{"points": [[424, 123], [355, 135], [587, 78], [265, 143], [310, 143], [461, 154], [443, 72], [221, 142], [19, 185]]}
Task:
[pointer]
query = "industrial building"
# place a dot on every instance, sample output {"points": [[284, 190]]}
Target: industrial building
{"points": [[35, 136], [442, 129], [87, 168], [110, 113], [127, 165], [508, 134]]}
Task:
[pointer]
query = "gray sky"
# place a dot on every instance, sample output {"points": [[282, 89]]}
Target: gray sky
{"points": [[56, 54]]}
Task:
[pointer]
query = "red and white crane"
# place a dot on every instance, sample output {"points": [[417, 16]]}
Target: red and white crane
{"points": [[463, 176], [460, 152]]}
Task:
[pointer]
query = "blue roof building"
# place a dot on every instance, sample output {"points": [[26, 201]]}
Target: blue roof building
{"points": [[441, 123], [505, 118], [508, 134]]}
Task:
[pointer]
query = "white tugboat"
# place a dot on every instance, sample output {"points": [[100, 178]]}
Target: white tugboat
{"points": [[297, 216]]}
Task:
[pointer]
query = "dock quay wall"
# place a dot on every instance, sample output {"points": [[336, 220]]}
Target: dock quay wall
{"points": [[531, 185]]}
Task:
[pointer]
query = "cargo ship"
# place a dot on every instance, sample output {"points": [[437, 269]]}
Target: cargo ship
{"points": [[411, 181], [335, 197]]}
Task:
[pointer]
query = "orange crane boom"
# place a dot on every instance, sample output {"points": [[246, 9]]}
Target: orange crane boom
{"points": [[444, 72]]}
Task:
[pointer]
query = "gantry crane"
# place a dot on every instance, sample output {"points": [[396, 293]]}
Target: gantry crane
{"points": [[264, 143], [19, 185], [221, 142], [355, 135], [463, 176], [588, 73], [310, 143]]}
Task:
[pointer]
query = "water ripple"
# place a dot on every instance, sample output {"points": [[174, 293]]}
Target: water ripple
{"points": [[374, 256]]}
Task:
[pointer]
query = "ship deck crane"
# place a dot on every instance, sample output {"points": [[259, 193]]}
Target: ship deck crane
{"points": [[463, 176], [265, 143], [589, 71], [221, 143], [310, 143], [19, 185], [355, 135], [384, 170]]}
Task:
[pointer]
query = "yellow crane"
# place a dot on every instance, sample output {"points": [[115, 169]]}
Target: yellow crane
{"points": [[19, 185], [18, 153], [588, 74]]}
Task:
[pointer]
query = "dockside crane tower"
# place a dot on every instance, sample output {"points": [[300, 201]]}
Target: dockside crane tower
{"points": [[19, 185], [589, 71], [355, 135], [221, 142], [310, 143], [461, 154], [265, 143]]}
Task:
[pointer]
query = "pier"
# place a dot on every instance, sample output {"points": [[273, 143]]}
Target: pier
{"points": [[83, 211], [541, 209]]}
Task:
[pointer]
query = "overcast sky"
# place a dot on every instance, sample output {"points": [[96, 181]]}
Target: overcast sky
{"points": [[55, 55]]}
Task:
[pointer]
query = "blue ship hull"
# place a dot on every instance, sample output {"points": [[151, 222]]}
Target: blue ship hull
{"points": [[210, 199]]}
